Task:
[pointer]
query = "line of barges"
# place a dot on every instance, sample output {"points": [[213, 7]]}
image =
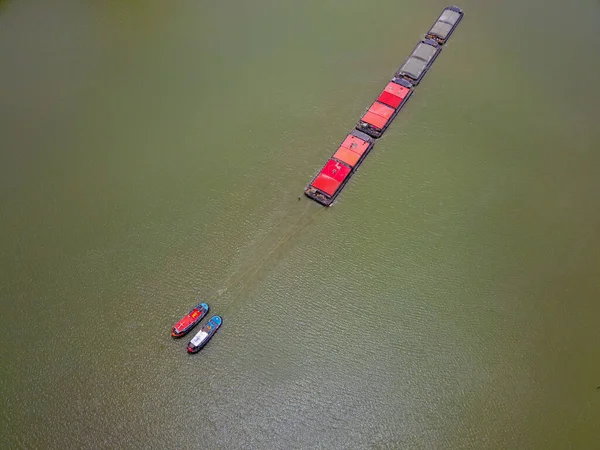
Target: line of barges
{"points": [[331, 179]]}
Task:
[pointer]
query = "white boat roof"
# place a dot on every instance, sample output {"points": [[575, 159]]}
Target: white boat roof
{"points": [[199, 338]]}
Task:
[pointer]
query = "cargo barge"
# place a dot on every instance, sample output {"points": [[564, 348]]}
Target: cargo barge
{"points": [[418, 63], [332, 178], [445, 25], [329, 182], [383, 111]]}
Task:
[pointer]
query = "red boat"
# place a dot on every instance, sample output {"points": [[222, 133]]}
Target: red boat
{"points": [[184, 326]]}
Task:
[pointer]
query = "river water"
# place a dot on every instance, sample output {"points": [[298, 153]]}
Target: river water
{"points": [[152, 155]]}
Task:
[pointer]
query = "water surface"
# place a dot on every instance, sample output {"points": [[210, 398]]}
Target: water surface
{"points": [[152, 156]]}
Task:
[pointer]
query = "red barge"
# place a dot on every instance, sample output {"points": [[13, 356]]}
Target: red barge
{"points": [[328, 183], [389, 103]]}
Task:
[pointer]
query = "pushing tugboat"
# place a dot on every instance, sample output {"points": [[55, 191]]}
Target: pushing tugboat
{"points": [[184, 326], [204, 335]]}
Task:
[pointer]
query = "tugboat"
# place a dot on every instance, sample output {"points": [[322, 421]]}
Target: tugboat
{"points": [[204, 335], [184, 326]]}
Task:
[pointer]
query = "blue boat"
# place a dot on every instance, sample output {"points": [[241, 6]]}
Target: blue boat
{"points": [[204, 335], [190, 320]]}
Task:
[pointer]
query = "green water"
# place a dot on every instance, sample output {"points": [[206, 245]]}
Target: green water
{"points": [[152, 155]]}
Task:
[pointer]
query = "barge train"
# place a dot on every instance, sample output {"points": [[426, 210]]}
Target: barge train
{"points": [[331, 179]]}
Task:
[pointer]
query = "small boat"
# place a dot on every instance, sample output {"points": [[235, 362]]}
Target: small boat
{"points": [[204, 335], [184, 326]]}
